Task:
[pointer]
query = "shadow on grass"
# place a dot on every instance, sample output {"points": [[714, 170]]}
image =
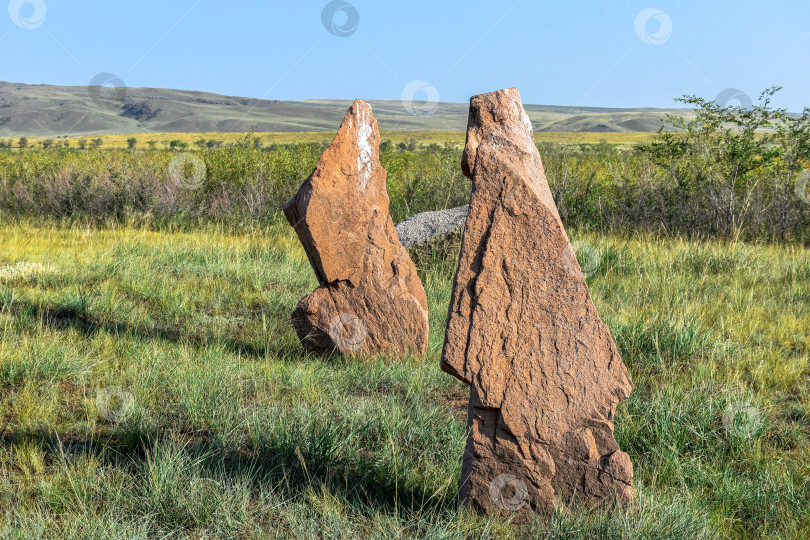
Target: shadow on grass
{"points": [[63, 316], [291, 473]]}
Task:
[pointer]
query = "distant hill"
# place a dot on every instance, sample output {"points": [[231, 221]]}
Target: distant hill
{"points": [[44, 110]]}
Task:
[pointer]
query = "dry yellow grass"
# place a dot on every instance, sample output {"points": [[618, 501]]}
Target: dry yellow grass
{"points": [[422, 137]]}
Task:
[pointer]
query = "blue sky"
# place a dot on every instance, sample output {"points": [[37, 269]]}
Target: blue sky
{"points": [[613, 53]]}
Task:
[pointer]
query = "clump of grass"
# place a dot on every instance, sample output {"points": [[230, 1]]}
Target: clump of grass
{"points": [[661, 342]]}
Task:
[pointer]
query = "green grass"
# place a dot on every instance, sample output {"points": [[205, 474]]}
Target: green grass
{"points": [[152, 386]]}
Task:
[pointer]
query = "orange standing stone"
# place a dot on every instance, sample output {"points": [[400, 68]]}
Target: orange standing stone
{"points": [[522, 331], [370, 298]]}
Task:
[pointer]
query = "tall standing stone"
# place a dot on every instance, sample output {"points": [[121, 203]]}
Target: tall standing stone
{"points": [[522, 331], [370, 298]]}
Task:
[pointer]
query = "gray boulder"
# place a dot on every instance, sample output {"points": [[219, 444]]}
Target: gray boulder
{"points": [[429, 226]]}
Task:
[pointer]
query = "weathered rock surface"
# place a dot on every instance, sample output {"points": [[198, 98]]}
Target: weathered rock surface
{"points": [[522, 330], [431, 226], [370, 298]]}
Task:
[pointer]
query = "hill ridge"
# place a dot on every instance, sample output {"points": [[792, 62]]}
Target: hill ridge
{"points": [[47, 110]]}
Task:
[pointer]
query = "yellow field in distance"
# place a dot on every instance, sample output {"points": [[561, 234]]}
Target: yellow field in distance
{"points": [[162, 140]]}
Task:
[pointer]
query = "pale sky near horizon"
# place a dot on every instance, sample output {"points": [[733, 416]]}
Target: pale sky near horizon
{"points": [[608, 53]]}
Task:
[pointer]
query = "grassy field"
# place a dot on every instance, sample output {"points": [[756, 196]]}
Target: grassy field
{"points": [[456, 138], [152, 386]]}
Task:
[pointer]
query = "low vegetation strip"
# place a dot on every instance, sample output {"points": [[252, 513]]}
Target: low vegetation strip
{"points": [[172, 141], [598, 188]]}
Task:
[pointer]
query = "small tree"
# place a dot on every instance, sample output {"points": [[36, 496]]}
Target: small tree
{"points": [[792, 138], [47, 143], [200, 143], [98, 142], [131, 142], [82, 143], [23, 142], [718, 151], [249, 140]]}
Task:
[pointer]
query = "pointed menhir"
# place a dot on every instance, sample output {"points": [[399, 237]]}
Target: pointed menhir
{"points": [[370, 298], [544, 373]]}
